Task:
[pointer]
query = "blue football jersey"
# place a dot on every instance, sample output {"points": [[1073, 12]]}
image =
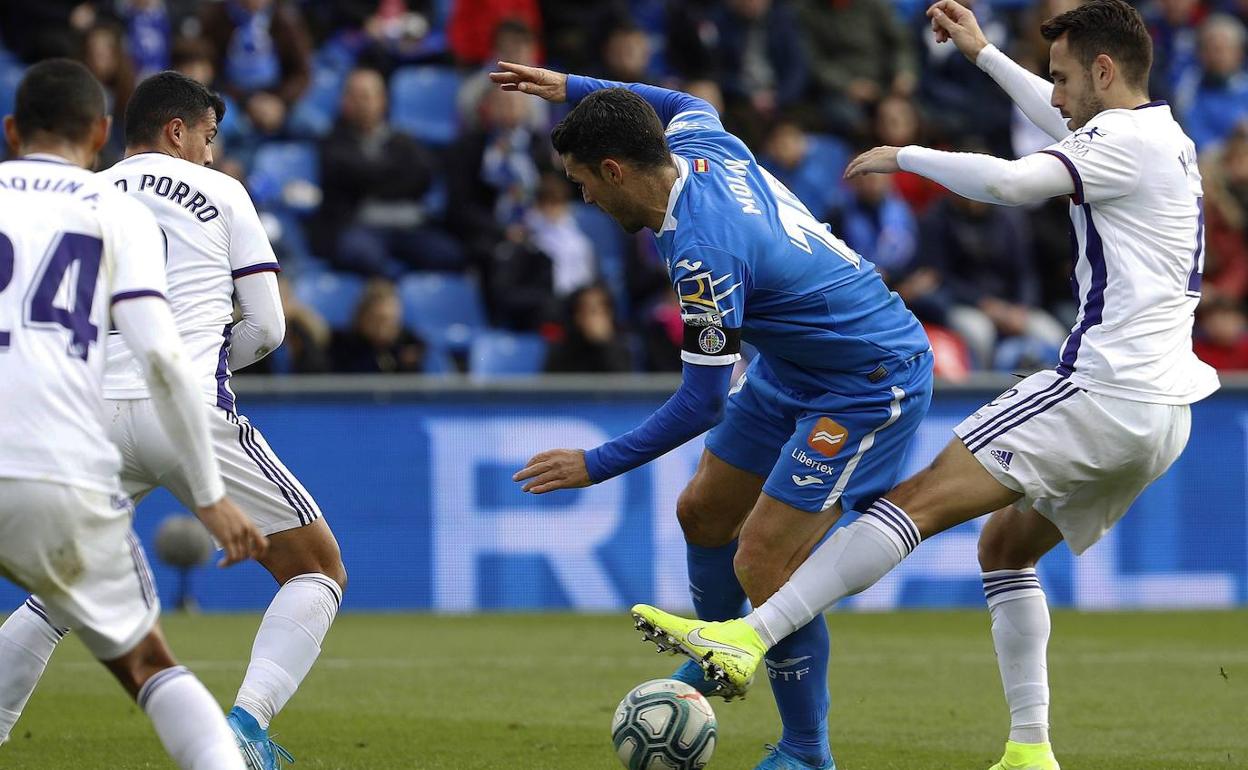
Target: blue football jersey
{"points": [[749, 262]]}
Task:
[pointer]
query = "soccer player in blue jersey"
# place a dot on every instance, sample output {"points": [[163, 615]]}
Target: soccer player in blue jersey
{"points": [[823, 415]]}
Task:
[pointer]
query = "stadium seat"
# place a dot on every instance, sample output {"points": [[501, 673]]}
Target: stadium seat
{"points": [[333, 295], [10, 76], [444, 309], [286, 174], [503, 354], [313, 115], [422, 103]]}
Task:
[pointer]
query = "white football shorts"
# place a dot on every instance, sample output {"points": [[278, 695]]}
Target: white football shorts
{"points": [[254, 477], [74, 549], [1079, 458]]}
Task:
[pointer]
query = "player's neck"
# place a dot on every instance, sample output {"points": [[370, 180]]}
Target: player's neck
{"points": [[75, 154], [140, 149], [1127, 100], [660, 194]]}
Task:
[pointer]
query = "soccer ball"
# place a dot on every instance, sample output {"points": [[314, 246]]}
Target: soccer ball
{"points": [[664, 724]]}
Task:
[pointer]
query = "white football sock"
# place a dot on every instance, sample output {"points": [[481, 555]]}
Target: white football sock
{"points": [[1020, 632], [189, 722], [27, 641], [287, 644], [851, 560]]}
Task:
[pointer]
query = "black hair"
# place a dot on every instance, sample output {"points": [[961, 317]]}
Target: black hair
{"points": [[612, 123], [59, 97], [1110, 27], [163, 97]]}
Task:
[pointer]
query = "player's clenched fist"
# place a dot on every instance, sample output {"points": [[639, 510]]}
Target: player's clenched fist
{"points": [[953, 21], [554, 469], [548, 84], [235, 533]]}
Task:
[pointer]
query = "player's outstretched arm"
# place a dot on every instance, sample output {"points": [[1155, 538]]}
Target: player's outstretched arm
{"points": [[558, 87], [979, 177], [952, 21], [695, 407], [146, 325]]}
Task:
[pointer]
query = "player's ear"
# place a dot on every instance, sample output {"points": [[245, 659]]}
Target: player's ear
{"points": [[175, 132], [100, 132], [11, 135], [1103, 70], [611, 171]]}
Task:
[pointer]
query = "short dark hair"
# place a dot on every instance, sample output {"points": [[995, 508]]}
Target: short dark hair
{"points": [[59, 97], [163, 97], [1110, 27], [612, 123]]}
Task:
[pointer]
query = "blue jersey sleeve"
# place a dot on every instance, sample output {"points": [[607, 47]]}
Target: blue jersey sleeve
{"points": [[712, 286], [693, 409], [667, 103]]}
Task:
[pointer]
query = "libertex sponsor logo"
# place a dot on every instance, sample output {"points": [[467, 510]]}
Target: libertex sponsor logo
{"points": [[810, 462], [827, 437]]}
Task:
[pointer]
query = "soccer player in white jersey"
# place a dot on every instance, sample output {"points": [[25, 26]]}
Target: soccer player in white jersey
{"points": [[1062, 455], [72, 248], [217, 249]]}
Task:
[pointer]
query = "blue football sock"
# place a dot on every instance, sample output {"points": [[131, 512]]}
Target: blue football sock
{"points": [[717, 595], [798, 668]]}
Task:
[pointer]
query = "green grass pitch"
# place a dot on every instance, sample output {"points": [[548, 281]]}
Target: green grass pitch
{"points": [[911, 691]]}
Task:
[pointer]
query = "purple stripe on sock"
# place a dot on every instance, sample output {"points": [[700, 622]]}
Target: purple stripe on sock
{"points": [[895, 527], [900, 521], [324, 580], [39, 610], [158, 680], [904, 519], [1011, 576], [1020, 587], [1020, 581]]}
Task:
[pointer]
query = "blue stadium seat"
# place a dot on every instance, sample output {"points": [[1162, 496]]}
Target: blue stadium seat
{"points": [[313, 115], [10, 76], [502, 354], [445, 309], [333, 295], [279, 169], [422, 103]]}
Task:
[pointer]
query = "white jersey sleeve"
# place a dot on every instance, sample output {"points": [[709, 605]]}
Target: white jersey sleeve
{"points": [[250, 250], [1104, 159]]}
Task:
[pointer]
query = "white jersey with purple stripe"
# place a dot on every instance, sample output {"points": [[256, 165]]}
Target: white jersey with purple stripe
{"points": [[70, 245], [1138, 220], [213, 235]]}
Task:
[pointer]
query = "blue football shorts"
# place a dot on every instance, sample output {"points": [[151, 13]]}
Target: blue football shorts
{"points": [[818, 449]]}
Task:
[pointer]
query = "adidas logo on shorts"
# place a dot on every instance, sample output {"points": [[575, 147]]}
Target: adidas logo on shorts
{"points": [[1002, 457]]}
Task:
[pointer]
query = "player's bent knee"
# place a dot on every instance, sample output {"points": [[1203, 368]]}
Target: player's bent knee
{"points": [[148, 658], [1000, 548], [758, 570], [699, 521]]}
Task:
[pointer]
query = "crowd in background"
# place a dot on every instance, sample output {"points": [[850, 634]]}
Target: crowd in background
{"points": [[424, 223]]}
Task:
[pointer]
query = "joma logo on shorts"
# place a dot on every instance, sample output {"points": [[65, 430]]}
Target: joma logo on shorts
{"points": [[827, 437]]}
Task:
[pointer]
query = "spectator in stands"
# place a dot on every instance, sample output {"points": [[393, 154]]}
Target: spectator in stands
{"points": [[983, 256], [809, 165], [1222, 335], [379, 34], [626, 55], [592, 342], [860, 53], [104, 53], [493, 171], [958, 98], [514, 42], [45, 28], [150, 32], [373, 179], [377, 341], [1220, 102], [662, 331], [748, 46], [305, 348], [1172, 26], [552, 229], [897, 124], [470, 29], [1225, 179], [263, 55], [877, 224]]}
